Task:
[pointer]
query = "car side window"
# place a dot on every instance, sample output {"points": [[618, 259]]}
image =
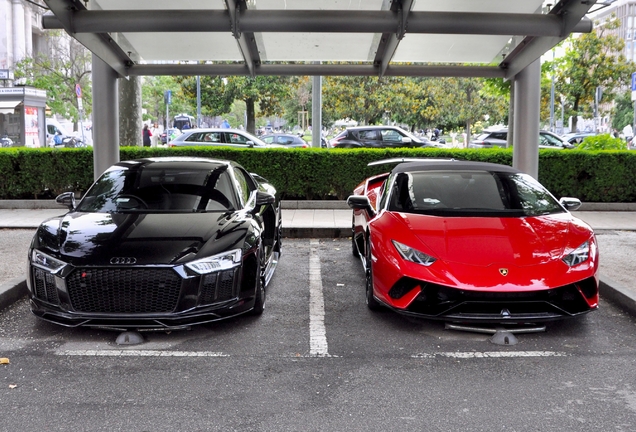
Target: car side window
{"points": [[548, 140], [499, 135], [195, 137], [268, 139], [391, 135], [245, 184], [368, 135], [235, 138], [212, 137]]}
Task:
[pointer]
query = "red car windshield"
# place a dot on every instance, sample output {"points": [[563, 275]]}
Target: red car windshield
{"points": [[471, 193]]}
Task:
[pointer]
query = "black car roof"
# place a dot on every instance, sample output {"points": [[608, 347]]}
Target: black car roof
{"points": [[452, 165]]}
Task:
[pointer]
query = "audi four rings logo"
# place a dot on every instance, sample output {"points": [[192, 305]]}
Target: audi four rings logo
{"points": [[123, 260]]}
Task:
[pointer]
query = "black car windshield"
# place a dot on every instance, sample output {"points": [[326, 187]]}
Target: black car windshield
{"points": [[161, 189], [471, 193]]}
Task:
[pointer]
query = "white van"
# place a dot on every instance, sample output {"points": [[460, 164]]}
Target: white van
{"points": [[52, 127]]}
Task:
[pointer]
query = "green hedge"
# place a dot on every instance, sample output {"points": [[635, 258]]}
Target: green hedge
{"points": [[592, 176]]}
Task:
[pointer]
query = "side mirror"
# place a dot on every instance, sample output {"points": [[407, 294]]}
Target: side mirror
{"points": [[264, 198], [407, 140], [570, 204], [250, 144], [66, 199], [361, 202]]}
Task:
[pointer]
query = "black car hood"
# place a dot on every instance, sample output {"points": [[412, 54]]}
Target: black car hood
{"points": [[97, 238]]}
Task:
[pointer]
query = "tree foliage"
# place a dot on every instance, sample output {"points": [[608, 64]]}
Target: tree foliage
{"points": [[152, 93], [218, 93], [68, 64], [591, 60], [623, 111]]}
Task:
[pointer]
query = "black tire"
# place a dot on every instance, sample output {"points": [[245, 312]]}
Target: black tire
{"points": [[354, 247], [372, 303], [259, 295], [259, 302]]}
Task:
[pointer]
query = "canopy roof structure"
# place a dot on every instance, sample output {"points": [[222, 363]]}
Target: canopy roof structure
{"points": [[482, 38]]}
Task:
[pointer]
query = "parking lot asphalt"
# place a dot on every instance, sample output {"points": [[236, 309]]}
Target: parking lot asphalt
{"points": [[615, 230]]}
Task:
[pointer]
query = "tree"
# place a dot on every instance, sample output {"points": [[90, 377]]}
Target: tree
{"points": [[591, 60], [218, 94], [463, 101], [69, 64], [623, 111], [364, 99], [152, 93], [300, 100]]}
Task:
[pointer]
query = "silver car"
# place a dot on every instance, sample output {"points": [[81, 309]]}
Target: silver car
{"points": [[220, 137], [499, 138]]}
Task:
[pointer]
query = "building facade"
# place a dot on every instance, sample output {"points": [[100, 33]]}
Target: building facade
{"points": [[21, 33], [625, 12]]}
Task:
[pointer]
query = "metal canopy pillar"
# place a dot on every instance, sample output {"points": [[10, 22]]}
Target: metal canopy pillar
{"points": [[105, 117], [527, 101], [316, 112]]}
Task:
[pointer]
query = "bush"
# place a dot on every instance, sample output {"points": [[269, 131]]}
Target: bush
{"points": [[319, 174], [602, 142]]}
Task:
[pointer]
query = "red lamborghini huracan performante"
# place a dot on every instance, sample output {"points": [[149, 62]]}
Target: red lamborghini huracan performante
{"points": [[472, 241]]}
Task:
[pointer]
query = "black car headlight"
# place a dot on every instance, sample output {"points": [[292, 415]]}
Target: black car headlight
{"points": [[46, 262], [223, 261], [413, 255], [578, 255]]}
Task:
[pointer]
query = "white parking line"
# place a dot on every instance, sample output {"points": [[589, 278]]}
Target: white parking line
{"points": [[317, 332], [491, 354], [139, 353]]}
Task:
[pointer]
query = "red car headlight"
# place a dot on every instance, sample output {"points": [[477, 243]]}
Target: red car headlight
{"points": [[413, 255], [578, 255]]}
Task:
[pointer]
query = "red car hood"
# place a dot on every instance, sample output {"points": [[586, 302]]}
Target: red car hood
{"points": [[482, 241]]}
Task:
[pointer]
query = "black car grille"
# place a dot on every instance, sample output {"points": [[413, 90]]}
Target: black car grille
{"points": [[439, 300], [218, 287], [45, 289], [124, 290]]}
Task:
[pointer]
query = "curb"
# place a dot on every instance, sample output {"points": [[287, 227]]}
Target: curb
{"points": [[617, 295], [316, 232], [12, 291]]}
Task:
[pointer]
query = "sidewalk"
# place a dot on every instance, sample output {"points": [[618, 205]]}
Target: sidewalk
{"points": [[616, 234]]}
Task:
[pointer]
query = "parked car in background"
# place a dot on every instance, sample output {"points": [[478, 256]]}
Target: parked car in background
{"points": [[169, 134], [472, 241], [220, 137], [577, 138], [380, 137], [499, 138], [288, 140], [158, 243]]}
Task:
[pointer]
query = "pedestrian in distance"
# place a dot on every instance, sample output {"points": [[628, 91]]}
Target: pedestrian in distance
{"points": [[146, 136], [57, 139]]}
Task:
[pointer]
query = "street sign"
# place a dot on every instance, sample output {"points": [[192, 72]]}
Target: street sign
{"points": [[633, 86], [168, 97], [78, 91]]}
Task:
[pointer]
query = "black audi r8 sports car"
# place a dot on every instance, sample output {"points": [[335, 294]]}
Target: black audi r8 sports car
{"points": [[158, 243], [472, 241]]}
